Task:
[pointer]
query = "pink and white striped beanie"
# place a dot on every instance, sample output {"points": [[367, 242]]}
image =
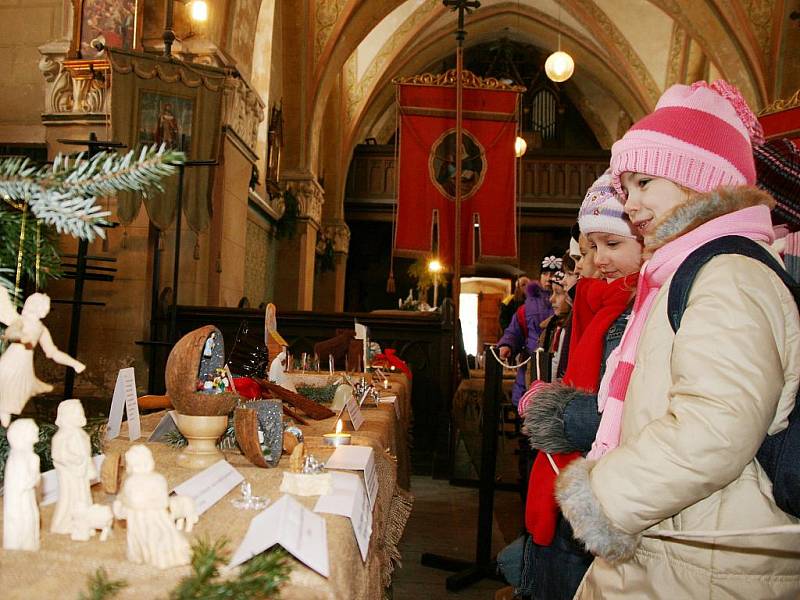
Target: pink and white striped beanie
{"points": [[700, 136]]}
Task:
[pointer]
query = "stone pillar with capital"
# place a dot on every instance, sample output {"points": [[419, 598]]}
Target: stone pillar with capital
{"points": [[329, 286], [294, 281]]}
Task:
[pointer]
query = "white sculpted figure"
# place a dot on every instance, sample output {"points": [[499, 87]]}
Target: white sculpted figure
{"points": [[86, 522], [183, 512], [144, 502], [72, 458], [18, 382], [20, 511], [277, 372]]}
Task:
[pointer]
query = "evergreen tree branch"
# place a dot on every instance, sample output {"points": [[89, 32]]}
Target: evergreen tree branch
{"points": [[64, 195], [100, 587]]}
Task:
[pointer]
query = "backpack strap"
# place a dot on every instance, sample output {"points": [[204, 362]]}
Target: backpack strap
{"points": [[730, 244], [523, 324]]}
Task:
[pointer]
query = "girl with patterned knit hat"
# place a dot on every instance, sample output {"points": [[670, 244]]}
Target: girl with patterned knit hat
{"points": [[671, 499], [555, 561]]}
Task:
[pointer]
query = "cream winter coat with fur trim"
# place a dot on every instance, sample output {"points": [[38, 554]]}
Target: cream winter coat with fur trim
{"points": [[698, 406]]}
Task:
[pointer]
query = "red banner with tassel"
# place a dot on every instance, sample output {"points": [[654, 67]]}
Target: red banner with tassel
{"points": [[426, 189]]}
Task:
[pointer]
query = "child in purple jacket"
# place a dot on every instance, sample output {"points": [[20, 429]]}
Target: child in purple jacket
{"points": [[520, 338]]}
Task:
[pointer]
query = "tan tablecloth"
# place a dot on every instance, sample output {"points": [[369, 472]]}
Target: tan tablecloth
{"points": [[60, 569], [381, 424]]}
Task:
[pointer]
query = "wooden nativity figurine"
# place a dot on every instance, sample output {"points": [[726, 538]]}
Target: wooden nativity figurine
{"points": [[18, 382], [144, 502], [20, 510], [72, 458]]}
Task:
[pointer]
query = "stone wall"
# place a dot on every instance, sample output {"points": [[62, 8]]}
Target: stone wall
{"points": [[24, 26]]}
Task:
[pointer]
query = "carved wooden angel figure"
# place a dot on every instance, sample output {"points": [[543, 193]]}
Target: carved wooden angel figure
{"points": [[72, 458], [20, 510], [18, 382], [144, 501]]}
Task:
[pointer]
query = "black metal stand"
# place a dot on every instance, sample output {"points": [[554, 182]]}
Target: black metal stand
{"points": [[484, 566], [82, 270], [154, 343]]}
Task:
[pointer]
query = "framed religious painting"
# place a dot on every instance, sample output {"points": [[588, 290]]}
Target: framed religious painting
{"points": [[165, 119], [117, 23]]}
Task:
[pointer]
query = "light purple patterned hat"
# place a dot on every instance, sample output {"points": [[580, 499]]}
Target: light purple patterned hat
{"points": [[602, 210]]}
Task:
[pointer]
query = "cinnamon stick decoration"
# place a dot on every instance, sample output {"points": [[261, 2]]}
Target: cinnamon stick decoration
{"points": [[308, 406]]}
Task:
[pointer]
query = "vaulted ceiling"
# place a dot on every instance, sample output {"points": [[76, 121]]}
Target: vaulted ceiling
{"points": [[627, 52]]}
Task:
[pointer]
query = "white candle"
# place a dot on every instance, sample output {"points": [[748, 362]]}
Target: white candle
{"points": [[338, 438]]}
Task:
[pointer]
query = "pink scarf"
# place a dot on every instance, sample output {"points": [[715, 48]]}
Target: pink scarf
{"points": [[753, 222]]}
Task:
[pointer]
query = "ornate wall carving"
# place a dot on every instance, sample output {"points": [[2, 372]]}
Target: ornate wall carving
{"points": [[339, 233], [310, 196], [243, 111], [71, 91]]}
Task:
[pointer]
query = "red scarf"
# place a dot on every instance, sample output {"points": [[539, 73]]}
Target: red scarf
{"points": [[597, 305]]}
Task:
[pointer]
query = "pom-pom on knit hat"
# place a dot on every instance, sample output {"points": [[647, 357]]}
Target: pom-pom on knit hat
{"points": [[551, 263], [700, 136], [602, 210]]}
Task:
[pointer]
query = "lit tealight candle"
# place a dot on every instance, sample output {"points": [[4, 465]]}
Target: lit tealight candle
{"points": [[338, 438], [386, 384]]}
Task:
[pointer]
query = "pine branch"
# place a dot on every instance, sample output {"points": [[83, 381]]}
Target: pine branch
{"points": [[100, 587], [261, 577], [107, 173], [64, 195]]}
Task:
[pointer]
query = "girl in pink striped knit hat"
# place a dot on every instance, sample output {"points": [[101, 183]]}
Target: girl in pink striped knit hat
{"points": [[684, 413]]}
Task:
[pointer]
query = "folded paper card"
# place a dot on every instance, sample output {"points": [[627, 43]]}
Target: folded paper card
{"points": [[210, 485], [166, 425], [124, 398], [357, 458], [391, 400], [348, 498], [288, 523], [354, 411]]}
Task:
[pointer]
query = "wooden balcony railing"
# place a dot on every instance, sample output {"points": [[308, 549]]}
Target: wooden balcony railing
{"points": [[549, 181]]}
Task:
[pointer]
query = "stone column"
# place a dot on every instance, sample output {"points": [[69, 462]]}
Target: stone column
{"points": [[329, 288], [294, 281]]}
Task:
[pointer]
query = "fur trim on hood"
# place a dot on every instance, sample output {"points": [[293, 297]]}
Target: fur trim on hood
{"points": [[700, 208]]}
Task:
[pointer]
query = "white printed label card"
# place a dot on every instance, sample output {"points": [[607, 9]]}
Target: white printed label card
{"points": [[287, 522], [124, 397], [354, 412], [391, 400], [347, 498], [357, 458], [210, 485]]}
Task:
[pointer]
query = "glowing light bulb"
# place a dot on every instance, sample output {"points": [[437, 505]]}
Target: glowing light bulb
{"points": [[199, 10], [435, 266], [559, 66], [520, 146]]}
